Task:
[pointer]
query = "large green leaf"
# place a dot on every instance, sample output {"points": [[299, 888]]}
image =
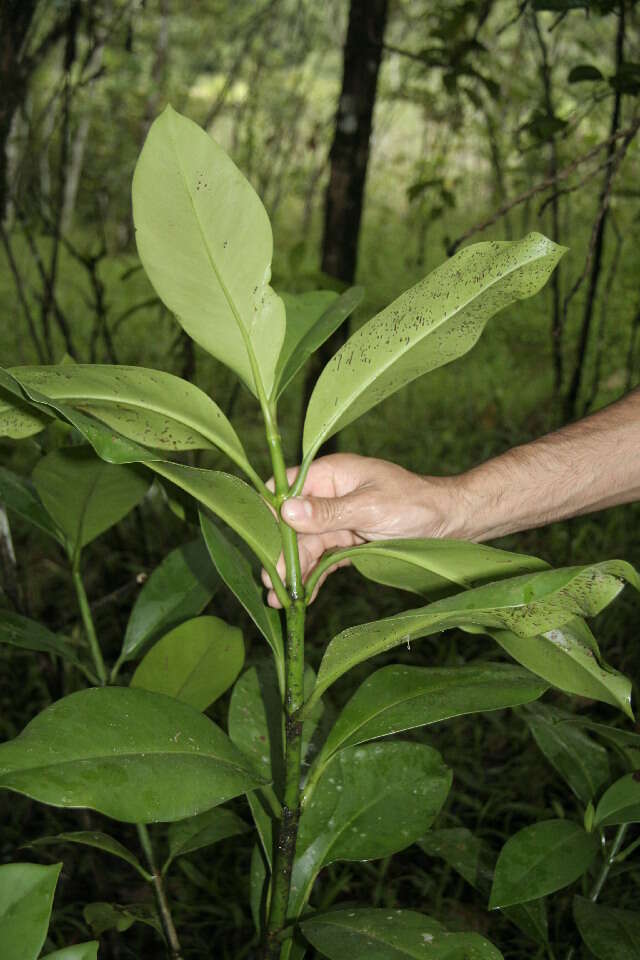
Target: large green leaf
{"points": [[621, 802], [474, 860], [97, 840], [311, 319], [235, 570], [427, 326], [133, 755], [376, 934], [151, 407], [582, 762], [526, 605], [179, 588], [205, 240], [398, 698], [80, 951], [18, 417], [18, 494], [608, 932], [371, 801], [26, 898], [19, 631], [436, 567], [541, 859], [234, 501], [207, 828], [84, 495], [195, 662], [568, 657]]}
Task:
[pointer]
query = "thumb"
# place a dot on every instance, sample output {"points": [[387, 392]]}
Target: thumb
{"points": [[321, 514]]}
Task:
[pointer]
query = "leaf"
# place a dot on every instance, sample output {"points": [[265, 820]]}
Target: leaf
{"points": [[427, 326], [258, 887], [582, 762], [621, 802], [18, 418], [234, 501], [110, 916], [526, 605], [437, 567], [375, 934], [370, 802], [179, 588], [195, 662], [205, 241], [541, 859], [84, 495], [133, 755], [584, 71], [96, 839], [18, 494], [311, 319], [607, 931], [236, 572], [474, 860], [80, 951], [28, 634], [207, 828], [150, 407], [398, 698], [26, 898], [627, 79], [568, 657]]}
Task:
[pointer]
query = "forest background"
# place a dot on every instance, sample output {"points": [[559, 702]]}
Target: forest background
{"points": [[380, 136]]}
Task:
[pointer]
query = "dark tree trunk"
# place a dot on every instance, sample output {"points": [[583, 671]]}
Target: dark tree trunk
{"points": [[15, 20]]}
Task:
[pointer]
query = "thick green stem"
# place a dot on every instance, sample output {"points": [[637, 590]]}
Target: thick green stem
{"points": [[87, 620], [161, 898]]}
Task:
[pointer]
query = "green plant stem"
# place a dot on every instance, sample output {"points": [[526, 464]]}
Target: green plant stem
{"points": [[601, 879], [87, 620], [161, 898]]}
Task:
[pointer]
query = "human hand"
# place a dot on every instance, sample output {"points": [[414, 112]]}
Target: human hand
{"points": [[348, 499]]}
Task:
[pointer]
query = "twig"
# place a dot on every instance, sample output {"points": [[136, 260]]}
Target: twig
{"points": [[161, 898], [611, 275], [575, 186]]}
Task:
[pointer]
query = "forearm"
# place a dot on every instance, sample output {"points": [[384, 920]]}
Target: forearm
{"points": [[586, 466]]}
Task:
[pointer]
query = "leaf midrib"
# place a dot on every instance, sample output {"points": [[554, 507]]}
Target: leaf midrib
{"points": [[115, 758]]}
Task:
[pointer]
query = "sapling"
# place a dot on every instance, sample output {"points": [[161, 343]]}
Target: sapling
{"points": [[317, 793]]}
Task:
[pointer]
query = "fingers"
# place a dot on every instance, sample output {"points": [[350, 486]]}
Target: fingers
{"points": [[321, 514]]}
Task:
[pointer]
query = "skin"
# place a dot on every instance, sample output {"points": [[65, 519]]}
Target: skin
{"points": [[586, 466]]}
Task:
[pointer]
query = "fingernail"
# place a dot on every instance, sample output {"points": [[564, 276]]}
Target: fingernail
{"points": [[296, 509]]}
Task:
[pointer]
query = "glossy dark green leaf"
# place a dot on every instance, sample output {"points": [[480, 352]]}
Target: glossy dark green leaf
{"points": [[376, 934], [371, 801], [526, 605], [204, 830], [205, 241], [150, 407], [133, 755], [582, 762], [311, 319], [569, 658], [179, 588], [28, 634], [80, 951], [235, 570], [474, 860], [541, 859], [85, 496], [621, 802], [429, 325], [98, 840], [26, 898], [436, 567], [584, 71], [608, 932], [195, 662], [624, 739], [19, 495], [234, 501], [398, 698]]}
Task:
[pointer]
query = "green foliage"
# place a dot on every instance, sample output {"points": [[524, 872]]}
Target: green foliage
{"points": [[26, 898]]}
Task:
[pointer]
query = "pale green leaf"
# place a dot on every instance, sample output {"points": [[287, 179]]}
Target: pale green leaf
{"points": [[429, 325], [133, 755], [195, 662], [621, 802], [186, 836], [80, 951], [26, 898], [205, 241]]}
